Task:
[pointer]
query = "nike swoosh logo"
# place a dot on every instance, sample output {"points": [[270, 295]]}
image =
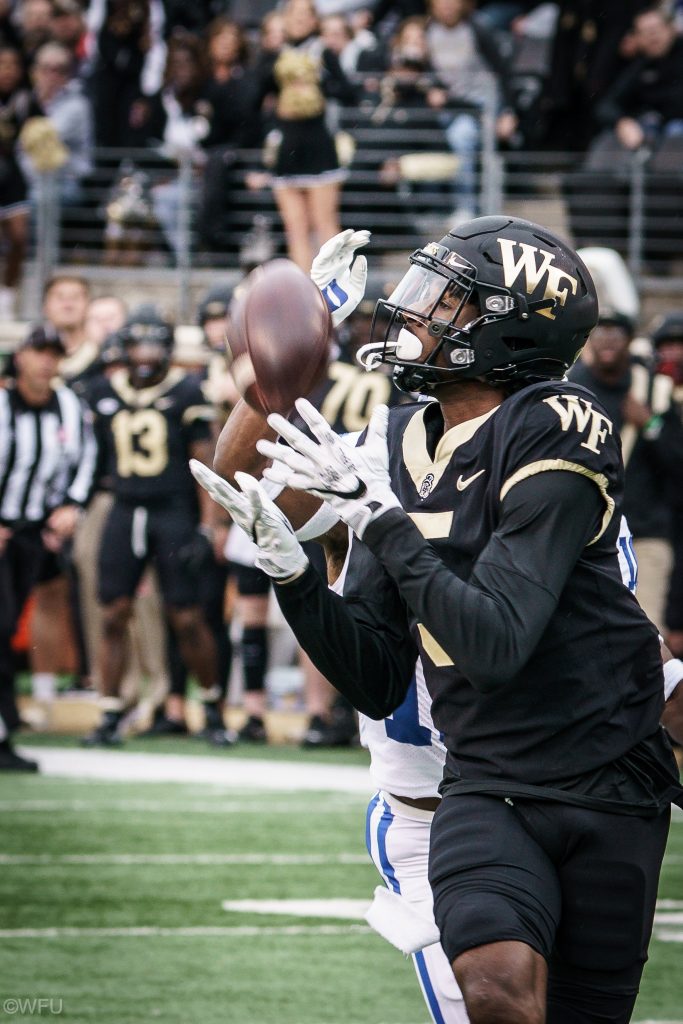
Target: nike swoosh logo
{"points": [[462, 484]]}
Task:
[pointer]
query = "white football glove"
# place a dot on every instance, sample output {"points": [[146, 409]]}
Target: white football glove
{"points": [[280, 554], [338, 276], [353, 481]]}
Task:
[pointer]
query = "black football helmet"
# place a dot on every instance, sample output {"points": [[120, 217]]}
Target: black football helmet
{"points": [[535, 304], [147, 339]]}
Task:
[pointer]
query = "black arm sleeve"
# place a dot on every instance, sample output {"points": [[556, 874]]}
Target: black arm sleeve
{"points": [[490, 625], [362, 645]]}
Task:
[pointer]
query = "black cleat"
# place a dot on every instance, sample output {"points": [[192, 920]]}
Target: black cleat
{"points": [[105, 735], [163, 726], [10, 761], [213, 720], [222, 737], [340, 731], [253, 730]]}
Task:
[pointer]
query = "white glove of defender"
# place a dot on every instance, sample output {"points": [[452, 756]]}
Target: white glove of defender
{"points": [[353, 481], [280, 554], [338, 276]]}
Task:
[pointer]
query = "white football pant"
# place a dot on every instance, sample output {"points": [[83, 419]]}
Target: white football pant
{"points": [[397, 838]]}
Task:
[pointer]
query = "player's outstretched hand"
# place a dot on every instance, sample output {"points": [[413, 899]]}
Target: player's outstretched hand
{"points": [[354, 481], [339, 276], [280, 554]]}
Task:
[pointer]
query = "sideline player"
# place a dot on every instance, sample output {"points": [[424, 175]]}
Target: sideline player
{"points": [[150, 418], [524, 595]]}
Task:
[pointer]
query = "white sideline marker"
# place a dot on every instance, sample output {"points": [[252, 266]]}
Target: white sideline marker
{"points": [[234, 772]]}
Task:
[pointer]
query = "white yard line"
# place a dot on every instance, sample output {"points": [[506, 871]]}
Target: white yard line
{"points": [[280, 859], [201, 931], [348, 910], [251, 805], [234, 772]]}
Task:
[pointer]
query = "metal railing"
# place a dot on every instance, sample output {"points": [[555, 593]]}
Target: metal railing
{"points": [[139, 210]]}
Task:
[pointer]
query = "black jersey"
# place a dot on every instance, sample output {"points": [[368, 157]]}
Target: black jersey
{"points": [[592, 687], [545, 674], [147, 433], [348, 395], [82, 369]]}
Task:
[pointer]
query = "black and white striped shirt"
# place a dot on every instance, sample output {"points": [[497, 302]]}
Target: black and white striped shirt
{"points": [[48, 456]]}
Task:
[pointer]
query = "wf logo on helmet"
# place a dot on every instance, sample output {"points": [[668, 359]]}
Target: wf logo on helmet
{"points": [[558, 283]]}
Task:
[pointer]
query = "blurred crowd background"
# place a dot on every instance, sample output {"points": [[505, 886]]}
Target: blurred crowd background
{"points": [[153, 132], [147, 137]]}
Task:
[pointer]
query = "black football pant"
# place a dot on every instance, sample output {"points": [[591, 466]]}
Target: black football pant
{"points": [[211, 590], [576, 884], [21, 567]]}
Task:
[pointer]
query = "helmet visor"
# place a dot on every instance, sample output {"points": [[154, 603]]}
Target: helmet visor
{"points": [[429, 294]]}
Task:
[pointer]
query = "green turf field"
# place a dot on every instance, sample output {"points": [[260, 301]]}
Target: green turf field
{"points": [[111, 907]]}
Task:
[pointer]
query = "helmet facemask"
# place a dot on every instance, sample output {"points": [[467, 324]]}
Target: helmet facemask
{"points": [[148, 352], [433, 293]]}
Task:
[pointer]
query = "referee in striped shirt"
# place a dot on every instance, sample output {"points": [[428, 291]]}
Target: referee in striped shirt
{"points": [[48, 457]]}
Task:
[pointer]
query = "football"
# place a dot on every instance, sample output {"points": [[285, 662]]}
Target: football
{"points": [[279, 337]]}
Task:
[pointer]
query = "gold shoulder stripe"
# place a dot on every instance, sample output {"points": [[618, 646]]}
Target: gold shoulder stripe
{"points": [[198, 412], [546, 465]]}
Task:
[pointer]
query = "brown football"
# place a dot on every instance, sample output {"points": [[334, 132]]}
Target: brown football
{"points": [[279, 337]]}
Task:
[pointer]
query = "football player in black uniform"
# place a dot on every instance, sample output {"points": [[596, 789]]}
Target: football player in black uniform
{"points": [[149, 418], [484, 529]]}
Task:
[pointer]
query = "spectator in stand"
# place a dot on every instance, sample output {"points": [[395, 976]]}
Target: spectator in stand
{"points": [[59, 97], [466, 58], [411, 80], [338, 35], [46, 472], [15, 102], [8, 30], [306, 174], [388, 14], [638, 402], [68, 28], [34, 22], [232, 87], [644, 107], [591, 47], [667, 339], [227, 50], [121, 33], [191, 116], [271, 34], [194, 17], [502, 13], [413, 100]]}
